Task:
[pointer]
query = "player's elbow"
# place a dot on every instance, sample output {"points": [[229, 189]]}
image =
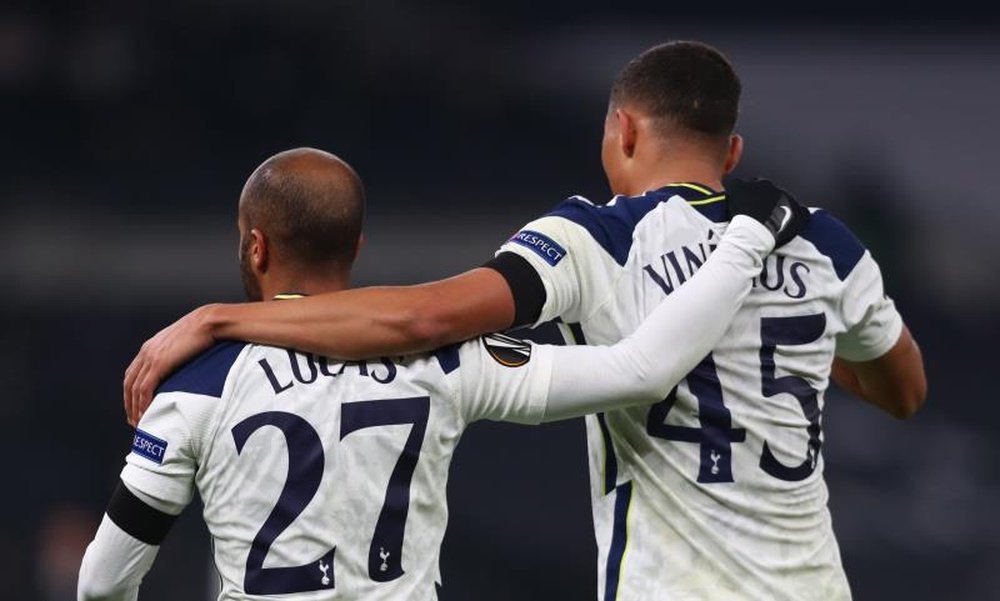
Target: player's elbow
{"points": [[651, 380], [95, 587], [909, 400], [911, 389], [425, 327], [91, 591], [438, 319]]}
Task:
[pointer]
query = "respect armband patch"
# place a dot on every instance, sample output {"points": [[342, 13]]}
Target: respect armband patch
{"points": [[146, 445], [543, 246]]}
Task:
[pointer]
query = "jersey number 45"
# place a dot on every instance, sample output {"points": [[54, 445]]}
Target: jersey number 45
{"points": [[716, 434]]}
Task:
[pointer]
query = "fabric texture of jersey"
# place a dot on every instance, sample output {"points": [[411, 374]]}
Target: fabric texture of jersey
{"points": [[324, 480], [717, 492]]}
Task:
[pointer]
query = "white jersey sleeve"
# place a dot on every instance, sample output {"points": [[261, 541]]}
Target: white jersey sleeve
{"points": [[165, 449], [503, 379], [170, 437], [872, 321], [114, 565], [577, 273]]}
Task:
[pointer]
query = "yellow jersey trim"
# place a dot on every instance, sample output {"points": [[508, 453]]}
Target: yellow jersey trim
{"points": [[706, 201], [701, 189]]}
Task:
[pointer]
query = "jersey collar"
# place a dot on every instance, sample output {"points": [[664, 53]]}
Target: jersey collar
{"points": [[705, 200], [707, 191]]}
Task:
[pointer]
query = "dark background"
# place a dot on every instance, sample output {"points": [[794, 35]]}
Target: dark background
{"points": [[129, 128]]}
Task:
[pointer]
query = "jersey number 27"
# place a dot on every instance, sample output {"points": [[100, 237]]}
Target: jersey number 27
{"points": [[306, 461]]}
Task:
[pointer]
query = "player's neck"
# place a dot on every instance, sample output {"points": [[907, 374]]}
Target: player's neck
{"points": [[671, 169], [304, 283], [672, 162]]}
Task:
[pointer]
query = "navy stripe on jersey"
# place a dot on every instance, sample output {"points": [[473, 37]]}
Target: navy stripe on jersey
{"points": [[619, 539], [205, 374], [544, 333], [715, 211], [832, 238], [610, 460], [612, 225], [447, 357]]}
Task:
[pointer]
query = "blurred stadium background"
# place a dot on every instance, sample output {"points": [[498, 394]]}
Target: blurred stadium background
{"points": [[129, 128]]}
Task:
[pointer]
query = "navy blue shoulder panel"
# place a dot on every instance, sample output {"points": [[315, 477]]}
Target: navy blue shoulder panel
{"points": [[717, 211], [610, 225], [832, 238], [205, 374], [448, 358]]}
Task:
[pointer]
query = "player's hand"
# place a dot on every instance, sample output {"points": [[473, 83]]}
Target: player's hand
{"points": [[774, 207], [161, 355]]}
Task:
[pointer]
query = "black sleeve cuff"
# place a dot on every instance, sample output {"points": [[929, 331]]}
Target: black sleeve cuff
{"points": [[525, 285], [141, 521]]}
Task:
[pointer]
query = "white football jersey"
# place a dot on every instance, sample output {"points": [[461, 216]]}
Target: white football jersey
{"points": [[326, 480], [717, 492]]}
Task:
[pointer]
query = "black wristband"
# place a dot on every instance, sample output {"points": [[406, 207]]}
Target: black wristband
{"points": [[134, 516], [525, 286]]}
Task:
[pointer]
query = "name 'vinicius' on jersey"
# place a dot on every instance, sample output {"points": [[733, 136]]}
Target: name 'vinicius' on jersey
{"points": [[674, 267], [718, 489]]}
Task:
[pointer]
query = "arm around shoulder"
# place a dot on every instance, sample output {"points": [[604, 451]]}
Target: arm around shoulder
{"points": [[366, 322]]}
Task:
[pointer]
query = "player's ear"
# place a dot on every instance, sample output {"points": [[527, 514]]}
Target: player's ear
{"points": [[733, 153], [259, 250], [627, 132], [357, 248]]}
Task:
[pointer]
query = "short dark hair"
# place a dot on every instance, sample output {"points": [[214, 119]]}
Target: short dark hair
{"points": [[310, 203], [686, 84]]}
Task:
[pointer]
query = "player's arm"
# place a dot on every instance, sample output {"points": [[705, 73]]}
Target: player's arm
{"points": [[156, 485], [877, 358], [357, 323], [894, 382], [123, 549], [374, 321]]}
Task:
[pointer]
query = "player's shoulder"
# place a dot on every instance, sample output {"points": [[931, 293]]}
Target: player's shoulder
{"points": [[833, 239], [612, 225], [608, 225], [207, 373]]}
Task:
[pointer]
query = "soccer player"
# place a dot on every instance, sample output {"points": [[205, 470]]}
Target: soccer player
{"points": [[717, 492], [326, 479]]}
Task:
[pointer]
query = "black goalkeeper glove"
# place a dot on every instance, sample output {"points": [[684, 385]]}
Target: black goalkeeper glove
{"points": [[774, 207]]}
